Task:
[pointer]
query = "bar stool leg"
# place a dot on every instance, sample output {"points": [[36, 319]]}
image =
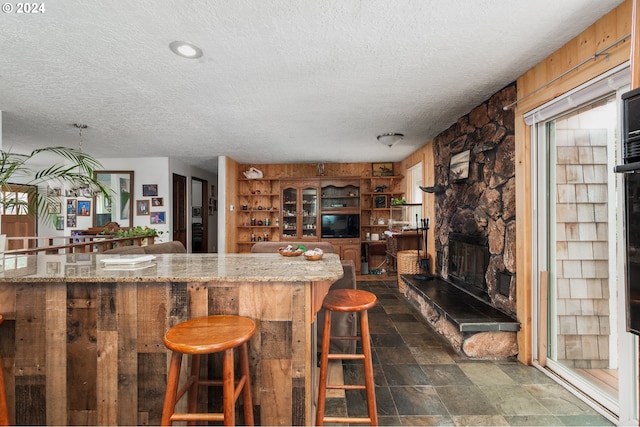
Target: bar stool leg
{"points": [[324, 364], [194, 387], [368, 368], [247, 401], [172, 389], [228, 388]]}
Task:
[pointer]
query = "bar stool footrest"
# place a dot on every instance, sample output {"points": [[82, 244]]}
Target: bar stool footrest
{"points": [[347, 386], [198, 416], [337, 356], [342, 420]]}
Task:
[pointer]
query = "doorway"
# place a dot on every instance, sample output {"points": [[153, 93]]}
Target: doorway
{"points": [[180, 209], [15, 220], [199, 216]]}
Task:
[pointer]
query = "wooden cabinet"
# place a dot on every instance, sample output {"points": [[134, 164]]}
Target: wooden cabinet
{"points": [[340, 196], [258, 212], [376, 196], [299, 220], [347, 249]]}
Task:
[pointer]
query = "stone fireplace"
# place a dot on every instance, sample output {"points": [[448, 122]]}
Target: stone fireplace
{"points": [[479, 210]]}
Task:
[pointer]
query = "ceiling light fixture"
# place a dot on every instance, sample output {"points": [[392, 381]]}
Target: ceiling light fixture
{"points": [[389, 139], [186, 50]]}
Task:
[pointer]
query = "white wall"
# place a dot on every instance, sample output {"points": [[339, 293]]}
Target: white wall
{"points": [[156, 170], [147, 170]]}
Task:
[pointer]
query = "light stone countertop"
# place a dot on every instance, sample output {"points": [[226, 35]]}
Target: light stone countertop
{"points": [[170, 268]]}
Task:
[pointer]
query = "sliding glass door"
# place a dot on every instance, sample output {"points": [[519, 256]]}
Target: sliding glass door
{"points": [[581, 332]]}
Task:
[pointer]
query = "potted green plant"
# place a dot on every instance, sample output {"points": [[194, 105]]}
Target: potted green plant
{"points": [[137, 231], [75, 171]]}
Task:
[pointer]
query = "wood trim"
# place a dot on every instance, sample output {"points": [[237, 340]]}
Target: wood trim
{"points": [[635, 45], [602, 33], [543, 316]]}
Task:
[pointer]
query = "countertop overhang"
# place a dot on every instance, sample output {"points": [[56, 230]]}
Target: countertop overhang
{"points": [[170, 267]]}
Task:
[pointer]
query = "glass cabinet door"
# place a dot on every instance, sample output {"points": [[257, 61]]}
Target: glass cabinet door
{"points": [[309, 212], [289, 212]]}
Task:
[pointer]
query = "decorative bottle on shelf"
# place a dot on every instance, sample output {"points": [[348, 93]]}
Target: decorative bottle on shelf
{"points": [[266, 221], [277, 222]]}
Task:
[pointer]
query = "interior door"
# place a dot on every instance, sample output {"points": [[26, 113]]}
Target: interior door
{"points": [[15, 222], [180, 209]]}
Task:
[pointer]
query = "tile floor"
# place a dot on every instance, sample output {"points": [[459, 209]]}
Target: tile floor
{"points": [[421, 381]]}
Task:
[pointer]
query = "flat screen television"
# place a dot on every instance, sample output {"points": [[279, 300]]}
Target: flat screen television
{"points": [[340, 226]]}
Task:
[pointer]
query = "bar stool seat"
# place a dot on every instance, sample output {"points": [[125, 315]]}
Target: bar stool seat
{"points": [[206, 335], [357, 301], [4, 411]]}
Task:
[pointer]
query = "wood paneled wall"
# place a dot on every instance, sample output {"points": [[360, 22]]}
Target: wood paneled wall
{"points": [[285, 170], [536, 87], [425, 155]]}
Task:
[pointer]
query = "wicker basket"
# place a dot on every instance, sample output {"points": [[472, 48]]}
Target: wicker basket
{"points": [[407, 264]]}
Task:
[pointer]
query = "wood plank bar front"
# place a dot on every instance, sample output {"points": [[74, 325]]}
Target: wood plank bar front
{"points": [[86, 349]]}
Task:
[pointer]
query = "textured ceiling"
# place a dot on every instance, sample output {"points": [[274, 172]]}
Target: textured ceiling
{"points": [[280, 81]]}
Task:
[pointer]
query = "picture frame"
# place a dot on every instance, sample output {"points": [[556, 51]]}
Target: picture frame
{"points": [[55, 208], [84, 208], [157, 201], [459, 166], [71, 220], [382, 169], [60, 222], [149, 190], [142, 207], [72, 206], [158, 217], [380, 202]]}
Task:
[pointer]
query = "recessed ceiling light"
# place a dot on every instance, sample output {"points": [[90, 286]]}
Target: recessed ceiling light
{"points": [[186, 50]]}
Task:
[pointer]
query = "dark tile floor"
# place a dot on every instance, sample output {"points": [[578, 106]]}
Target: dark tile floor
{"points": [[421, 381]]}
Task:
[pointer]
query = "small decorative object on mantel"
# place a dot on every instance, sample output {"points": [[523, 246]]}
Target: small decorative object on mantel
{"points": [[253, 173]]}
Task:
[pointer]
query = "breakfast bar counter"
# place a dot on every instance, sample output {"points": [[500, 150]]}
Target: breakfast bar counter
{"points": [[82, 338]]}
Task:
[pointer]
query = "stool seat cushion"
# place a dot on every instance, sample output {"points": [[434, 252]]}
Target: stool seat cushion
{"points": [[209, 334], [348, 300]]}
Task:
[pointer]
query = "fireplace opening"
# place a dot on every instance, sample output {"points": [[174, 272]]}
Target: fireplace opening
{"points": [[468, 263]]}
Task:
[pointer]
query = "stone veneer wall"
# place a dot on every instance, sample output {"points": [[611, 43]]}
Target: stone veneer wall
{"points": [[484, 203]]}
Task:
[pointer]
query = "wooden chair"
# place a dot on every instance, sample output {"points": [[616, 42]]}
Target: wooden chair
{"points": [[350, 301], [206, 335]]}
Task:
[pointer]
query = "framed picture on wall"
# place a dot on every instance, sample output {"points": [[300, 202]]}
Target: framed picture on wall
{"points": [[157, 201], [142, 207], [382, 169], [72, 206], [84, 207], [60, 222], [459, 166], [149, 190], [158, 218], [380, 202]]}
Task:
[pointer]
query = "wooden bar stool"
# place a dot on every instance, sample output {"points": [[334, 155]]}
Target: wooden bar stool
{"points": [[4, 411], [347, 300], [206, 335]]}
